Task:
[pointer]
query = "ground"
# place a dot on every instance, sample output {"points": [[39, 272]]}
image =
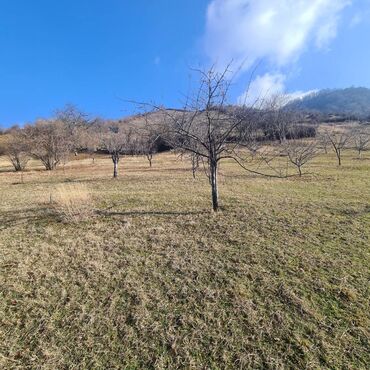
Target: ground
{"points": [[278, 279]]}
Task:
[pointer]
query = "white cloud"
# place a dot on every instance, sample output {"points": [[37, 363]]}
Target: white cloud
{"points": [[299, 95], [277, 31], [265, 87], [249, 30], [262, 88]]}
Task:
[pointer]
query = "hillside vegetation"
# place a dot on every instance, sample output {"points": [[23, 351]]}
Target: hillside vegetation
{"points": [[149, 278], [350, 101]]}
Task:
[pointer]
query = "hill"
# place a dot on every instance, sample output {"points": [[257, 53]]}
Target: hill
{"points": [[353, 101]]}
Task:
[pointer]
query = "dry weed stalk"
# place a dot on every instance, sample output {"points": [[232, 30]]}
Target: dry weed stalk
{"points": [[73, 202]]}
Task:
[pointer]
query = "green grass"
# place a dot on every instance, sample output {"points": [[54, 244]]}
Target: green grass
{"points": [[278, 279]]}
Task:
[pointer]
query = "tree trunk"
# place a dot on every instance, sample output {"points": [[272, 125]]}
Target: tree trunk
{"points": [[214, 185], [50, 164], [300, 171], [194, 164], [115, 160], [17, 165], [115, 168], [339, 158]]}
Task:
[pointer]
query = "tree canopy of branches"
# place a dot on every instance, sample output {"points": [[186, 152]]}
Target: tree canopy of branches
{"points": [[115, 141], [81, 128], [49, 141], [206, 128], [148, 140], [300, 152], [338, 139], [16, 148]]}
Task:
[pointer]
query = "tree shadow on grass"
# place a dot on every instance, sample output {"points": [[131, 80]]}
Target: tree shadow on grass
{"points": [[42, 215], [22, 217], [153, 213]]}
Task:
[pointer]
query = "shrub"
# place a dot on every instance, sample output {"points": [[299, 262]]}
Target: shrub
{"points": [[301, 132]]}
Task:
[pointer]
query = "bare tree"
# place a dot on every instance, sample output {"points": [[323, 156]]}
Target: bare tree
{"points": [[324, 142], [16, 149], [338, 140], [208, 128], [148, 148], [361, 140], [81, 128], [147, 142], [300, 152], [50, 142], [114, 141], [72, 116]]}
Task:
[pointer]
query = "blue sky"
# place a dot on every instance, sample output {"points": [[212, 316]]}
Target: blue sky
{"points": [[93, 53]]}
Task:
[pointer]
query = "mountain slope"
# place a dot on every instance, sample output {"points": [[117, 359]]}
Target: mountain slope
{"points": [[352, 101]]}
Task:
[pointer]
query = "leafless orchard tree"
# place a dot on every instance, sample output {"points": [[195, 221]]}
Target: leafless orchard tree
{"points": [[300, 152], [208, 129], [339, 140], [16, 148], [361, 139], [50, 142], [81, 128], [71, 116], [148, 147], [114, 141], [147, 139], [324, 142]]}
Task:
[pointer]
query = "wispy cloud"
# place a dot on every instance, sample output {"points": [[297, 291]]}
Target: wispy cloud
{"points": [[261, 87], [361, 16], [268, 85], [277, 31]]}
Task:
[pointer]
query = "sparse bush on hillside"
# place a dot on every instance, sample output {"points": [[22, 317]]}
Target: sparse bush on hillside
{"points": [[50, 142], [16, 148], [73, 202]]}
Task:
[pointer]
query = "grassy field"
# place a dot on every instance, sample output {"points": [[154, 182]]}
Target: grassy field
{"points": [[279, 279]]}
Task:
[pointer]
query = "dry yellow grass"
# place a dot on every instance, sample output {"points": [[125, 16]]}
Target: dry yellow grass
{"points": [[72, 202], [278, 279]]}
